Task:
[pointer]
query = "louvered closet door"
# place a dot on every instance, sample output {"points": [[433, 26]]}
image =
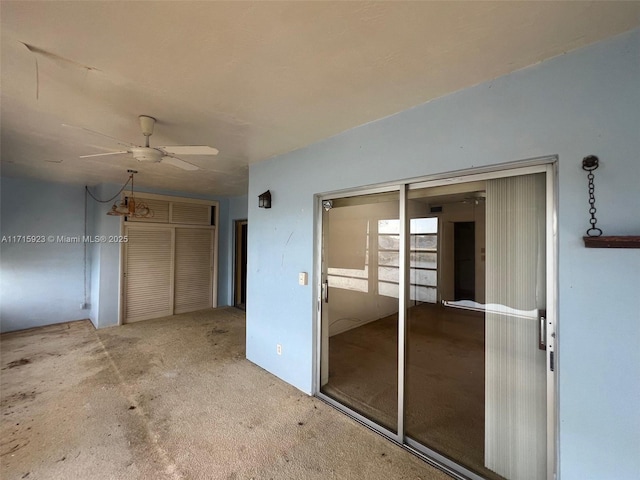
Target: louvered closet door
{"points": [[148, 267], [193, 287]]}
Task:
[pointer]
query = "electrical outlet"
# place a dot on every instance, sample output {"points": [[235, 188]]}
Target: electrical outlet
{"points": [[302, 278], [279, 349]]}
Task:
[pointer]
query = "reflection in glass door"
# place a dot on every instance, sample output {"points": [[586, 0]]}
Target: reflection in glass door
{"points": [[475, 389], [476, 385], [445, 332], [469, 382], [359, 367]]}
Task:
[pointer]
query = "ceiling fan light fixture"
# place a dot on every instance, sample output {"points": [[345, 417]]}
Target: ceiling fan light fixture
{"points": [[113, 211], [119, 209], [128, 207], [143, 211]]}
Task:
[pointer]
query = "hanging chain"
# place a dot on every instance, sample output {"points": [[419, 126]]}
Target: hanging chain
{"points": [[86, 188], [589, 164]]}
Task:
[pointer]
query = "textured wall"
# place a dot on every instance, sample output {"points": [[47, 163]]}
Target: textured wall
{"points": [[41, 283], [44, 283], [580, 103]]}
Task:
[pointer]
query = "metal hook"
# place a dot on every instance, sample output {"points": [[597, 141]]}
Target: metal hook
{"points": [[590, 163]]}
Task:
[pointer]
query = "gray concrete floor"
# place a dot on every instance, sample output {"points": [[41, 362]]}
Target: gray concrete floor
{"points": [[172, 398]]}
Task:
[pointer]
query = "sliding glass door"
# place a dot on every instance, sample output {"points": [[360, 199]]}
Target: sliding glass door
{"points": [[434, 324], [445, 360], [360, 315]]}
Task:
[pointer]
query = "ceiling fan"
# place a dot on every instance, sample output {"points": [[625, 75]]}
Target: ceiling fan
{"points": [[166, 154]]}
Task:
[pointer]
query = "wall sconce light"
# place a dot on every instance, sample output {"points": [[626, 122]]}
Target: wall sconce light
{"points": [[264, 200]]}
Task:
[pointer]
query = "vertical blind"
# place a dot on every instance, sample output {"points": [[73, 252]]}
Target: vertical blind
{"points": [[515, 378]]}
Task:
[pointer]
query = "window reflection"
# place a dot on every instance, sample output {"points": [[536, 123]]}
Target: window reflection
{"points": [[386, 255]]}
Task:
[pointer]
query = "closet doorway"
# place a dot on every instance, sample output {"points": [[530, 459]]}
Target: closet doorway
{"points": [[169, 262]]}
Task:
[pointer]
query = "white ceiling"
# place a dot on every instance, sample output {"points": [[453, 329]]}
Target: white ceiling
{"points": [[253, 79]]}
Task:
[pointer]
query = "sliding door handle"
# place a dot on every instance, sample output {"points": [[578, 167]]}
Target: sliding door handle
{"points": [[325, 291], [542, 330]]}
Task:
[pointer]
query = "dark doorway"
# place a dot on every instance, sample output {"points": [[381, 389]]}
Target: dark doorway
{"points": [[464, 258], [240, 290]]}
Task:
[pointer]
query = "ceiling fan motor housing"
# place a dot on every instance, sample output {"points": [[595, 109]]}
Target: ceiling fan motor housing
{"points": [[146, 154], [146, 124]]}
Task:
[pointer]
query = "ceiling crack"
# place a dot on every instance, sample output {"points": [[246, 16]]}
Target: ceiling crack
{"points": [[56, 58]]}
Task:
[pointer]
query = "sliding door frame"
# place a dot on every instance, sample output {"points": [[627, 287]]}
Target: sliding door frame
{"points": [[546, 165]]}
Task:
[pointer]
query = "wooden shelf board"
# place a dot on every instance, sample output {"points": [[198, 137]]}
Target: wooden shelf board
{"points": [[612, 241]]}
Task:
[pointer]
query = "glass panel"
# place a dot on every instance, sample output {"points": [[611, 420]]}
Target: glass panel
{"points": [[389, 258], [389, 274], [445, 347], [421, 293], [424, 242], [359, 361], [475, 378], [423, 259], [423, 277], [475, 386], [389, 242]]}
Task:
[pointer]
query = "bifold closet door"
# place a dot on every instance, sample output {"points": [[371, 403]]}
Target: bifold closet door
{"points": [[193, 269], [148, 273]]}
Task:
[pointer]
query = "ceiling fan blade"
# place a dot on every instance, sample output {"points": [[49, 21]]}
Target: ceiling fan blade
{"points": [[104, 154], [119, 142], [190, 150], [176, 162]]}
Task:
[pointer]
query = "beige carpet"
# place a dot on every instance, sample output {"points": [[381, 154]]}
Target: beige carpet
{"points": [[172, 398], [444, 400]]}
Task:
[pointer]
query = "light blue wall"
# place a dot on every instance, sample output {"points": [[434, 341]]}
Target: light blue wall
{"points": [[584, 102], [105, 259], [237, 211], [41, 283], [94, 210], [238, 208]]}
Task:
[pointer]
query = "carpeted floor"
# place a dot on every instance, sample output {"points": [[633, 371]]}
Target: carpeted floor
{"points": [[172, 398], [444, 400]]}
